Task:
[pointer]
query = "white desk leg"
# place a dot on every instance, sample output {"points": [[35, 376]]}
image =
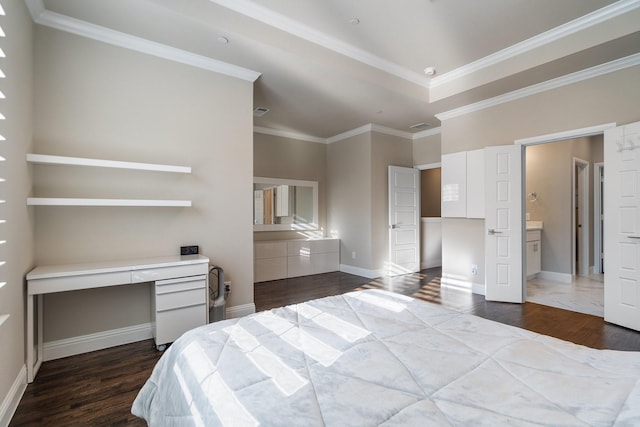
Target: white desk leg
{"points": [[33, 364], [30, 328]]}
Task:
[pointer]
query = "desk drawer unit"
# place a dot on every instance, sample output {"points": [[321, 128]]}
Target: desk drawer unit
{"points": [[178, 305]]}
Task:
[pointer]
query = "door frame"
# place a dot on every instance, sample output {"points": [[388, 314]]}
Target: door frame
{"points": [[581, 182], [598, 172], [555, 137]]}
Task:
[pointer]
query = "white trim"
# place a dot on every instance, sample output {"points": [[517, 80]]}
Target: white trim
{"points": [[589, 73], [98, 341], [350, 133], [240, 310], [556, 277], [597, 221], [584, 209], [296, 28], [362, 272], [427, 132], [287, 134], [116, 38], [13, 397], [428, 166], [540, 40], [370, 127], [569, 134], [462, 285]]}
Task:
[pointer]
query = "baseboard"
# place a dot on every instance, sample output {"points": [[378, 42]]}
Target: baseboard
{"points": [[556, 277], [240, 310], [463, 285], [98, 341], [430, 264], [363, 272], [12, 399]]}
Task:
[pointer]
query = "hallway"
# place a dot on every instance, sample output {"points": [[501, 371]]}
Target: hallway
{"points": [[584, 295]]}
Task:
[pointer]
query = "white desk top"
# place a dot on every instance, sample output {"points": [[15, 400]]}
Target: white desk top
{"points": [[51, 271]]}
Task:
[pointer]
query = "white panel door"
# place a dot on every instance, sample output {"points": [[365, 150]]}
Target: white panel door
{"points": [[621, 226], [404, 220], [503, 224]]}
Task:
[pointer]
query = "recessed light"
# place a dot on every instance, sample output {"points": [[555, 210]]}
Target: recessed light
{"points": [[430, 71], [223, 40], [354, 21]]}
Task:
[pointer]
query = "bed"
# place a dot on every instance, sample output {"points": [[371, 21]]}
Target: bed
{"points": [[372, 357]]}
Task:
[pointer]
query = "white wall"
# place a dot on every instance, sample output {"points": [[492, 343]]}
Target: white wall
{"points": [[97, 100], [18, 230]]}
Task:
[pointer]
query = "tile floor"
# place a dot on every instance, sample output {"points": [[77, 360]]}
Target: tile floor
{"points": [[583, 295]]}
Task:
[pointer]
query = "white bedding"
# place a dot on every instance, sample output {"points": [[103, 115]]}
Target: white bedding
{"points": [[373, 358]]}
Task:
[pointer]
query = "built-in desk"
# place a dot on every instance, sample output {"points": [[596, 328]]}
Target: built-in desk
{"points": [[179, 295]]}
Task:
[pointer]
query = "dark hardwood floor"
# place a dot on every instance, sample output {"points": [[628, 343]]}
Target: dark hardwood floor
{"points": [[98, 388]]}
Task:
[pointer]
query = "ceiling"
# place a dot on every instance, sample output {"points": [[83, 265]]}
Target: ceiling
{"points": [[322, 74]]}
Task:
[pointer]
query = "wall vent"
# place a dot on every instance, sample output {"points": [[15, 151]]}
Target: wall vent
{"points": [[260, 111]]}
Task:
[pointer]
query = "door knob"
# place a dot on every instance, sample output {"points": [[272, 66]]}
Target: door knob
{"points": [[492, 231]]}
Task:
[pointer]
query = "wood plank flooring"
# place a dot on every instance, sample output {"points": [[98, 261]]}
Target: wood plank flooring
{"points": [[98, 388]]}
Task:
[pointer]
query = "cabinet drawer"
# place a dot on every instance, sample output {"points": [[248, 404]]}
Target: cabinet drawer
{"points": [[155, 274], [299, 248], [299, 266], [173, 323], [270, 269], [326, 262], [324, 246], [181, 284], [172, 300], [533, 235], [269, 249]]}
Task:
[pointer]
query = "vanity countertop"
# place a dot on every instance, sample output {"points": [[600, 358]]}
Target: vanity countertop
{"points": [[534, 225]]}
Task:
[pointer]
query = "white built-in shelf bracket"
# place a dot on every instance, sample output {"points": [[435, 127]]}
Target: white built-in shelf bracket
{"points": [[79, 161], [3, 318], [57, 201]]}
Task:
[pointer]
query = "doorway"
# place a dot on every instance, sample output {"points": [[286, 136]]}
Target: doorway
{"points": [[430, 215], [567, 268]]}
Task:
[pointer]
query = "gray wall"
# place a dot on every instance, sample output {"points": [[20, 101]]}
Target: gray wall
{"points": [[614, 97], [96, 100], [358, 197], [18, 230], [549, 174], [426, 150], [279, 157], [349, 198]]}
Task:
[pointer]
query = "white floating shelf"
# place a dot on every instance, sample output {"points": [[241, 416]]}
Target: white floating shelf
{"points": [[43, 201], [3, 318], [78, 161]]}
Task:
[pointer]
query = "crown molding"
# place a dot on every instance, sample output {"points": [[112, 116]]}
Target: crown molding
{"points": [[116, 38], [589, 73], [350, 133], [286, 24], [584, 22], [287, 134], [425, 133]]}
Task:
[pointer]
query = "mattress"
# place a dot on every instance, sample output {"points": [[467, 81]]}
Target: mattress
{"points": [[372, 357]]}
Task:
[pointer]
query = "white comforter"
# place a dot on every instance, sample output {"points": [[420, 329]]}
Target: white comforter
{"points": [[373, 358]]}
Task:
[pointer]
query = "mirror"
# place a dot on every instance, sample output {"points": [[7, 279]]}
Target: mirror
{"points": [[284, 204]]}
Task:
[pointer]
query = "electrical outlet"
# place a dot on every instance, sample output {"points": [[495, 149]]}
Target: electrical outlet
{"points": [[474, 269], [189, 250]]}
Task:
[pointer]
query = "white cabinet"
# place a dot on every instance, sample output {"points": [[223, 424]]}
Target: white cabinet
{"points": [[533, 253], [463, 184], [270, 260], [178, 305], [281, 259]]}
